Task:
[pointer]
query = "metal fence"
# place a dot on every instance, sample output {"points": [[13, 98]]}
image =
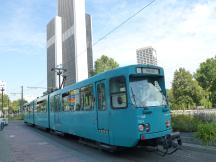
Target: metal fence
{"points": [[192, 112], [203, 114]]}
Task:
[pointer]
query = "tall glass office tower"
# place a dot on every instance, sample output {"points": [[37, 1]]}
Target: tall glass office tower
{"points": [[54, 51], [76, 42]]}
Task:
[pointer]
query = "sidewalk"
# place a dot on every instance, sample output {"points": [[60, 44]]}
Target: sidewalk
{"points": [[191, 143], [4, 148]]}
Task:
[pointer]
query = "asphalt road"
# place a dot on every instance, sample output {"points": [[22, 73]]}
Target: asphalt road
{"points": [[22, 143]]}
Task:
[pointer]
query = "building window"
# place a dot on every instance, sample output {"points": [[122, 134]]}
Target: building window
{"points": [[118, 92]]}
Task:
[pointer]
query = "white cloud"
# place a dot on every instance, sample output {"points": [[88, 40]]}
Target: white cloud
{"points": [[184, 35], [23, 43], [20, 30], [182, 32], [201, 19]]}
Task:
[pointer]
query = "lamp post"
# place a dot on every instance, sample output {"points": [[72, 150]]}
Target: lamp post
{"points": [[8, 106], [59, 72], [2, 90]]}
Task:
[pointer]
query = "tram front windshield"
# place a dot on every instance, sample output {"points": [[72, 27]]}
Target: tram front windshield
{"points": [[146, 92]]}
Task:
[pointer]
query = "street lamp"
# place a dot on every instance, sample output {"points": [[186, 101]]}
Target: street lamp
{"points": [[59, 71], [2, 90]]}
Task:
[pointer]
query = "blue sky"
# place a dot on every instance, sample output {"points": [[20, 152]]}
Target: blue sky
{"points": [[182, 32]]}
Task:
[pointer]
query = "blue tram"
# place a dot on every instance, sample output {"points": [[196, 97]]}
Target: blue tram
{"points": [[124, 107], [29, 113]]}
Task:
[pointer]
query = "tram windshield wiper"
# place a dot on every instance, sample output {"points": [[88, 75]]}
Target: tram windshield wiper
{"points": [[134, 97]]}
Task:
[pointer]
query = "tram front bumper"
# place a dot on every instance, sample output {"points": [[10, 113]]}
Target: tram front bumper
{"points": [[171, 140], [154, 135], [166, 139]]}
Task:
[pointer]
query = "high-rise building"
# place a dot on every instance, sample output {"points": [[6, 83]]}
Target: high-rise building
{"points": [[89, 44], [76, 42], [54, 51], [146, 55]]}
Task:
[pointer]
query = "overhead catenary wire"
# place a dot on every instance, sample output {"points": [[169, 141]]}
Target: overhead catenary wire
{"points": [[117, 27], [122, 23], [36, 87]]}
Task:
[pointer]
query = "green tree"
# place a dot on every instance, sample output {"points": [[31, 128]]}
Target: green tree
{"points": [[186, 92], [103, 64], [5, 101], [15, 105], [206, 76], [170, 97]]}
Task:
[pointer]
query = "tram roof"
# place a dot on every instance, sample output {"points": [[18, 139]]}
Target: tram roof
{"points": [[113, 72], [101, 76]]}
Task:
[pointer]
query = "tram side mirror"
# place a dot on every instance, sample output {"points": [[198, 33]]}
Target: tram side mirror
{"points": [[119, 99]]}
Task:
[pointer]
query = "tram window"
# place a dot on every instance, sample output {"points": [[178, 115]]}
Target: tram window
{"points": [[57, 103], [41, 106], [51, 103], [24, 108], [31, 108], [28, 109], [74, 100], [35, 109], [65, 102], [87, 98], [118, 92], [101, 96]]}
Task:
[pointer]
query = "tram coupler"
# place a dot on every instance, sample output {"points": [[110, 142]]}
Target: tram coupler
{"points": [[170, 142], [176, 136]]}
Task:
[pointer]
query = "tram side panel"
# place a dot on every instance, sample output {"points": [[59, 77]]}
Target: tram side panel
{"points": [[72, 111], [28, 113], [41, 112], [123, 122], [31, 113]]}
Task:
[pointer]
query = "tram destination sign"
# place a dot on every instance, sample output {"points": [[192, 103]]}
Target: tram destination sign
{"points": [[148, 71]]}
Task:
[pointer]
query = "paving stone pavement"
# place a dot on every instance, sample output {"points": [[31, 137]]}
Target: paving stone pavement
{"points": [[22, 143]]}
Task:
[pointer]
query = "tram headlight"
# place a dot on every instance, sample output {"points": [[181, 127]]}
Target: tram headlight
{"points": [[147, 127], [167, 123], [141, 127]]}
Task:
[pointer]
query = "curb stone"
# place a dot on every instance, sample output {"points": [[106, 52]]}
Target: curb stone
{"points": [[201, 148]]}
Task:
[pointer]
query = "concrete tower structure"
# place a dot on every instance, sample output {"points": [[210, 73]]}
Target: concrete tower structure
{"points": [[54, 51], [76, 41], [89, 44], [74, 33]]}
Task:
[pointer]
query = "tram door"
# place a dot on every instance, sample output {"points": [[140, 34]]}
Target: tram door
{"points": [[102, 112], [57, 107]]}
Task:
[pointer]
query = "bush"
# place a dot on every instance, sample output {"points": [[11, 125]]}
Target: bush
{"points": [[206, 132], [185, 123], [16, 117]]}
